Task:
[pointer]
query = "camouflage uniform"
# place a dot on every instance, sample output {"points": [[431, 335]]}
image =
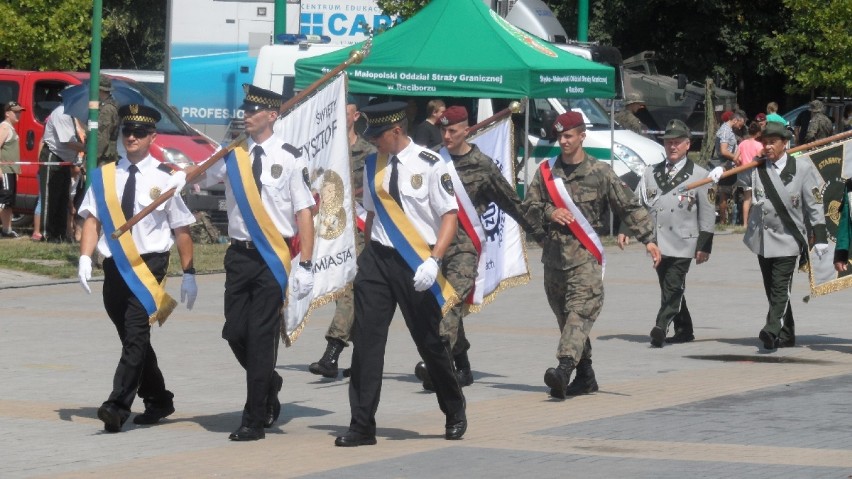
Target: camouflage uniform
{"points": [[107, 132], [572, 276], [485, 184], [344, 313], [628, 120], [819, 127]]}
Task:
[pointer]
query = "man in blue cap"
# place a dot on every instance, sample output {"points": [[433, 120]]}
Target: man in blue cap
{"points": [[411, 219]]}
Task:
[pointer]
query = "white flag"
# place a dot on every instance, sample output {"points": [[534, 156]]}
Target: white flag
{"points": [[503, 263], [317, 128]]}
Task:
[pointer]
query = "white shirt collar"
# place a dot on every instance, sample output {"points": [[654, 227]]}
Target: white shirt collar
{"points": [[781, 163]]}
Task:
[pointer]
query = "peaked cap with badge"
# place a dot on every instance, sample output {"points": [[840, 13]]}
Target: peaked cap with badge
{"points": [[382, 117], [139, 115], [257, 99]]}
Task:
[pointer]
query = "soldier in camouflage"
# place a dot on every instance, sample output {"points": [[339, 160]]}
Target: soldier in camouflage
{"points": [[572, 274], [484, 184], [340, 330], [627, 116], [107, 123], [820, 125]]}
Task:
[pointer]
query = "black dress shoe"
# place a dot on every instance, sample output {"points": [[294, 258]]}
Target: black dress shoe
{"points": [[465, 377], [152, 415], [354, 439], [658, 336], [273, 405], [770, 342], [111, 417], [680, 338], [455, 430], [421, 373], [246, 433]]}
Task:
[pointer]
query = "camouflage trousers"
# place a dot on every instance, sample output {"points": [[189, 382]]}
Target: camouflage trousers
{"points": [[344, 311], [460, 271], [576, 297]]}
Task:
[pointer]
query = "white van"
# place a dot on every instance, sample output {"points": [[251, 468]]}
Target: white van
{"points": [[154, 80], [276, 64]]}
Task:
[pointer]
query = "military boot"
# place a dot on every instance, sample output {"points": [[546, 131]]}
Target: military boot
{"points": [[557, 378], [327, 365], [584, 382]]}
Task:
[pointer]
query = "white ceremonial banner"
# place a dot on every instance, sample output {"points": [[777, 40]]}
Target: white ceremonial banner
{"points": [[503, 263], [317, 128]]}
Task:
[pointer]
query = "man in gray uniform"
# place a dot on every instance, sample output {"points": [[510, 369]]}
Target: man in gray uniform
{"points": [[683, 228], [784, 194]]}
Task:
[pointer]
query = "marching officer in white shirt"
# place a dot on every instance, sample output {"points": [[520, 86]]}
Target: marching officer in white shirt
{"points": [[411, 219], [684, 222], [136, 264], [268, 198]]}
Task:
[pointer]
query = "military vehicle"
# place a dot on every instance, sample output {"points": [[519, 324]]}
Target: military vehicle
{"points": [[669, 97]]}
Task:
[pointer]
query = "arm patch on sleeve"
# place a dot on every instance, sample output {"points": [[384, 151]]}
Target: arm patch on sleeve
{"points": [[306, 177], [447, 183]]}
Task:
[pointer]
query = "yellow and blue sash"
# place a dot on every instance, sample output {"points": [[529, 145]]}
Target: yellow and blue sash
{"points": [[136, 274], [402, 233], [265, 236]]}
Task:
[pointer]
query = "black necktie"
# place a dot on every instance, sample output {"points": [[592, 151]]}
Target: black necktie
{"points": [[669, 171], [128, 199], [257, 166], [393, 187]]}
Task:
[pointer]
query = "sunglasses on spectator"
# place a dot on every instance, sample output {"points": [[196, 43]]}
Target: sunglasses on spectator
{"points": [[138, 133]]}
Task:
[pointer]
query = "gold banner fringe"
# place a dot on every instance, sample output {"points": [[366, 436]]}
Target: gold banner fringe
{"points": [[507, 283], [832, 286], [289, 338]]}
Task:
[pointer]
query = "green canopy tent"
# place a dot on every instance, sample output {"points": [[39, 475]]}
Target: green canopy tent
{"points": [[460, 48]]}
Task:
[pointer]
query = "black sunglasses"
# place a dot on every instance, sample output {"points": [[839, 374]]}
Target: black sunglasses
{"points": [[137, 133]]}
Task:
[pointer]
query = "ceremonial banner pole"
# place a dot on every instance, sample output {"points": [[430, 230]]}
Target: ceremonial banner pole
{"points": [[759, 161], [356, 56], [514, 107]]}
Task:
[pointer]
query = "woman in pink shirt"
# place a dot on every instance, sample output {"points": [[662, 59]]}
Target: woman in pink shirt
{"points": [[747, 151]]}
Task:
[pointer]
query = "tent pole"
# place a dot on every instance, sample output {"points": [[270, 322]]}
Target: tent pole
{"points": [[526, 102]]}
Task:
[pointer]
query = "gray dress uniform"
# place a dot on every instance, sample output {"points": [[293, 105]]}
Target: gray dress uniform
{"points": [[683, 225], [778, 236]]}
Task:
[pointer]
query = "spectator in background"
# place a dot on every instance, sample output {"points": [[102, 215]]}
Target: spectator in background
{"points": [[800, 127], [820, 125], [428, 133], [723, 155], [847, 117], [60, 145], [107, 123], [772, 114], [747, 151], [9, 153], [627, 116], [760, 119]]}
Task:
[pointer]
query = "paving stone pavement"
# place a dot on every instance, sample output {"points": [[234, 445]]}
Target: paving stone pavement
{"points": [[718, 407]]}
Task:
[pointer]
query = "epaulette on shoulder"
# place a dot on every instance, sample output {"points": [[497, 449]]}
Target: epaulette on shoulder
{"points": [[429, 156], [292, 150], [165, 168]]}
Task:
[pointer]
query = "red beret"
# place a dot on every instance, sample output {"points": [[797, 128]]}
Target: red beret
{"points": [[567, 121], [727, 115], [760, 117], [453, 115]]}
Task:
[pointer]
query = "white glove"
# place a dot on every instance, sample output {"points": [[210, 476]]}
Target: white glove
{"points": [[84, 272], [176, 181], [303, 282], [426, 275], [188, 290], [820, 249], [716, 174]]}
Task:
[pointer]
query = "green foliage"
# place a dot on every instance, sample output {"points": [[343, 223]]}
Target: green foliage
{"points": [[814, 50], [134, 34], [45, 34], [403, 8]]}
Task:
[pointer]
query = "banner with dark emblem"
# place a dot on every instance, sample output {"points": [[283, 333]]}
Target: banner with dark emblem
{"points": [[316, 131], [834, 163], [502, 267]]}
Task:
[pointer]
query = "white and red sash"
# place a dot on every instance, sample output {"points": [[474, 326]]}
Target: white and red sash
{"points": [[468, 219], [580, 226]]}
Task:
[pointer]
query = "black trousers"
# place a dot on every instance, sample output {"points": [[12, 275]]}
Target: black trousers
{"points": [[672, 275], [253, 301], [778, 282], [384, 280], [55, 195], [137, 371]]}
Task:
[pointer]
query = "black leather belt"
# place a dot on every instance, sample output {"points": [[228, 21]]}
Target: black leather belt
{"points": [[243, 244]]}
